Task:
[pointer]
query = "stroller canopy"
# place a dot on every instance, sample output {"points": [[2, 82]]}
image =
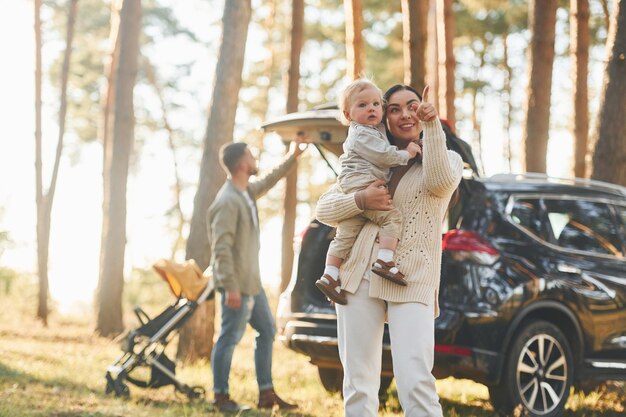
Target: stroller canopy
{"points": [[184, 279]]}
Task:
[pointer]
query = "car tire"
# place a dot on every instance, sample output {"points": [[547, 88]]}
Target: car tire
{"points": [[540, 386], [332, 378]]}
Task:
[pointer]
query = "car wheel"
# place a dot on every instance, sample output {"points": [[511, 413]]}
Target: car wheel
{"points": [[538, 373], [332, 379]]}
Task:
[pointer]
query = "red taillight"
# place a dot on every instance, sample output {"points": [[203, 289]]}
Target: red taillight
{"points": [[466, 241], [453, 350], [299, 237]]}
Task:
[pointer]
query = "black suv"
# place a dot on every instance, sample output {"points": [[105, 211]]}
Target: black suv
{"points": [[533, 292]]}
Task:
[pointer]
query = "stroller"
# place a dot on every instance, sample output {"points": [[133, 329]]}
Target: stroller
{"points": [[145, 345]]}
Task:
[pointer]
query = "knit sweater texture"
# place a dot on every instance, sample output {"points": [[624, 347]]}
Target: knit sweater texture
{"points": [[422, 196], [367, 157]]}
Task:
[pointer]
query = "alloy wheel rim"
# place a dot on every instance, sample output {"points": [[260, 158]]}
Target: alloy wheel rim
{"points": [[541, 374]]}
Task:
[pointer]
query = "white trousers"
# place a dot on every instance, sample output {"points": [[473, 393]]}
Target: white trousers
{"points": [[360, 326]]}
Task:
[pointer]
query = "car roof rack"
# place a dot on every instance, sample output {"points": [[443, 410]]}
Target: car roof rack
{"points": [[536, 177]]}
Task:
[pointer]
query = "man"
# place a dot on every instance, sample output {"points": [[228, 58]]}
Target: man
{"points": [[233, 227]]}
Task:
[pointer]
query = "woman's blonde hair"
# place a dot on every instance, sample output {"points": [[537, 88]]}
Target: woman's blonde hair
{"points": [[347, 96]]}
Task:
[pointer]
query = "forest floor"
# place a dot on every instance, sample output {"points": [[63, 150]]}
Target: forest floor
{"points": [[59, 370]]}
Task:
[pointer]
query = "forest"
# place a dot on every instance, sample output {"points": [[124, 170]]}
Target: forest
{"points": [[124, 104]]}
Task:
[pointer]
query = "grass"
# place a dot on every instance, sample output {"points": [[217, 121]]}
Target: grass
{"points": [[59, 371]]}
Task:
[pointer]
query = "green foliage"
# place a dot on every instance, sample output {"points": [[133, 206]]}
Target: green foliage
{"points": [[491, 16], [482, 27], [322, 63], [91, 49], [18, 294], [598, 21], [5, 241], [483, 72], [87, 66], [7, 275], [87, 80], [7, 279], [146, 289], [325, 33], [383, 34], [264, 79], [161, 23]]}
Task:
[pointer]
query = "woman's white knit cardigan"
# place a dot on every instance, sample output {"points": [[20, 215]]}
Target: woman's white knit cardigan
{"points": [[422, 195]]}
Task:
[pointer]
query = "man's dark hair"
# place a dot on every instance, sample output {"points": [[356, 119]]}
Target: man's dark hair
{"points": [[230, 154]]}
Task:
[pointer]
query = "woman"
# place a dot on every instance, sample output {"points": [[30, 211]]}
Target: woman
{"points": [[421, 190]]}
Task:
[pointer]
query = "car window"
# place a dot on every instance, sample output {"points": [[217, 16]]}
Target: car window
{"points": [[622, 211], [527, 214], [584, 225]]}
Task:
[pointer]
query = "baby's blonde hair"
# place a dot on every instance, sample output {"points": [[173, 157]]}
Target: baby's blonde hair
{"points": [[347, 96]]}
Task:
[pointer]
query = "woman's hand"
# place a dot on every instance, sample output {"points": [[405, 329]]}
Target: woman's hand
{"points": [[426, 111], [375, 197]]}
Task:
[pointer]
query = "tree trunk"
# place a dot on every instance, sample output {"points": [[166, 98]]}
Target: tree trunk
{"points": [[475, 110], [476, 126], [106, 121], [195, 339], [291, 186], [355, 54], [432, 61], [414, 38], [579, 52], [42, 261], [447, 63], [71, 21], [110, 67], [542, 20], [609, 159], [508, 107], [111, 282], [196, 336], [44, 206]]}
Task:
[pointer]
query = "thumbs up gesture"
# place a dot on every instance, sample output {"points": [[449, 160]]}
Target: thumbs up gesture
{"points": [[426, 111]]}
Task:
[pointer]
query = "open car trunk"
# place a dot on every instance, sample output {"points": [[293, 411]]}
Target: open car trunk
{"points": [[306, 297]]}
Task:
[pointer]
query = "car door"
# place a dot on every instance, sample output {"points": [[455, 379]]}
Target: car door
{"points": [[590, 260]]}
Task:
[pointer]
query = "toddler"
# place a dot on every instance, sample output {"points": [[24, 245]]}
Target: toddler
{"points": [[367, 157]]}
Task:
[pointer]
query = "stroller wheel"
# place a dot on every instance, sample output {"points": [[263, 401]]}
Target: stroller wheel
{"points": [[193, 393], [196, 392], [119, 389]]}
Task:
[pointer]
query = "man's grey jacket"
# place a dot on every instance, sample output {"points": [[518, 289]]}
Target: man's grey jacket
{"points": [[234, 238]]}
